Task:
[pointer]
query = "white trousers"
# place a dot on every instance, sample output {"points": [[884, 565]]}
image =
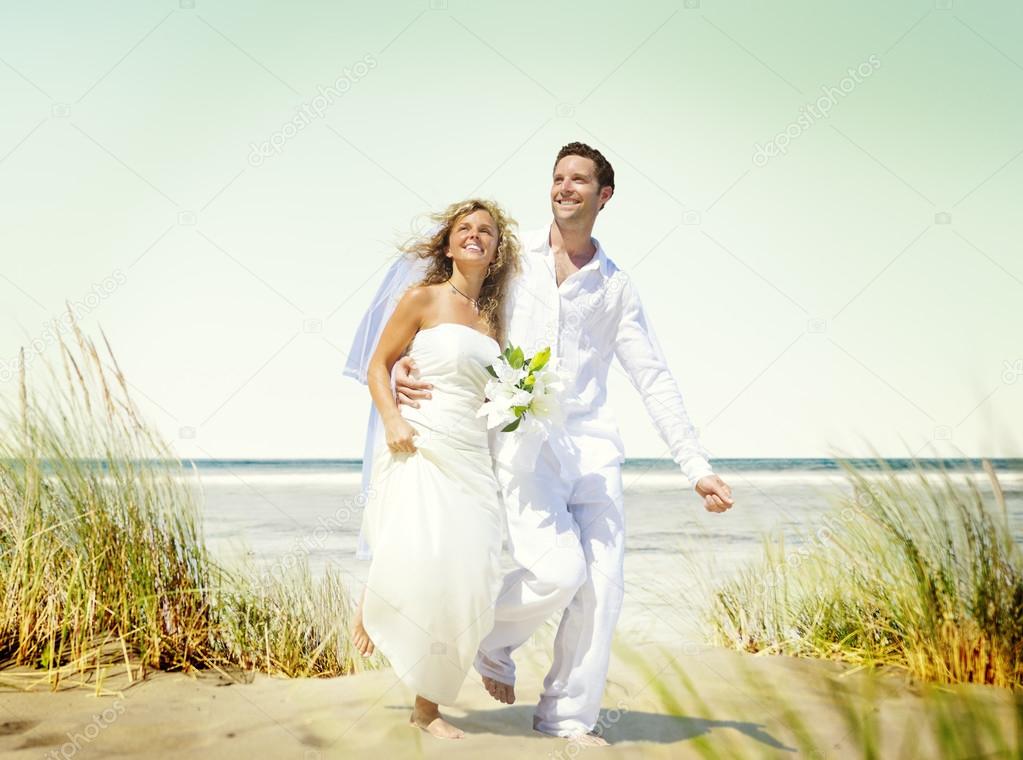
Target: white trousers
{"points": [[567, 536]]}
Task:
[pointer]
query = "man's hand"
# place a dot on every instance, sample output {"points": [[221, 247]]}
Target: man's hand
{"points": [[407, 386], [717, 496]]}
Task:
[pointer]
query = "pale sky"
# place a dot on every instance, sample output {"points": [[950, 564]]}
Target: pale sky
{"points": [[864, 285]]}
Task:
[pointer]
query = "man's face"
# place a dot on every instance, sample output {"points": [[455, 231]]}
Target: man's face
{"points": [[575, 194]]}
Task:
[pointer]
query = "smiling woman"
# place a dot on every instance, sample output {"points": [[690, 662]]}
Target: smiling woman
{"points": [[466, 224], [433, 517]]}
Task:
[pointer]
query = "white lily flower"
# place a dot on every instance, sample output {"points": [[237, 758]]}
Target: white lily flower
{"points": [[496, 414], [508, 375], [546, 407], [498, 409], [538, 405], [508, 395]]}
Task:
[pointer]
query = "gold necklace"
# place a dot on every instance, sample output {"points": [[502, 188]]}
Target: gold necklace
{"points": [[475, 303]]}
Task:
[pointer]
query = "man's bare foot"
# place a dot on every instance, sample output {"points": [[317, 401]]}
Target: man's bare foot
{"points": [[360, 638], [502, 692], [430, 720], [589, 739]]}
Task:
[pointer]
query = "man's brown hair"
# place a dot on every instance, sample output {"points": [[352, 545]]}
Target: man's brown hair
{"points": [[605, 173]]}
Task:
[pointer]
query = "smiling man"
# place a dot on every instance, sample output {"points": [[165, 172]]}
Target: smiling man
{"points": [[563, 495]]}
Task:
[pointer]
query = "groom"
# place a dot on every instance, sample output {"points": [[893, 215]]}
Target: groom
{"points": [[563, 496]]}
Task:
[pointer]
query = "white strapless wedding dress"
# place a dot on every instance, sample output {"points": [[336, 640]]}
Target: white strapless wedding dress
{"points": [[434, 521]]}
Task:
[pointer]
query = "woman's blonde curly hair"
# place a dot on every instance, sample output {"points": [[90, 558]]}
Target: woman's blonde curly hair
{"points": [[505, 264]]}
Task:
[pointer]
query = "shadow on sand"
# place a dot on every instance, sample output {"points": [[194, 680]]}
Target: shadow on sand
{"points": [[619, 726]]}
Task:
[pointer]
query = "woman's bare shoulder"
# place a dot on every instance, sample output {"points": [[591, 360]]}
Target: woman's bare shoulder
{"points": [[418, 301], [420, 295]]}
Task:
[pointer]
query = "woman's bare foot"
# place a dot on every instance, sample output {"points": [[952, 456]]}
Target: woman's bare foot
{"points": [[426, 716], [502, 692], [363, 643]]}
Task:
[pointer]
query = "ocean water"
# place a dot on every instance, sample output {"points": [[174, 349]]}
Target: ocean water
{"points": [[273, 514]]}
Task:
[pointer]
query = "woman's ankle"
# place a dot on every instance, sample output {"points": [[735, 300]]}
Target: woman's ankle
{"points": [[424, 708]]}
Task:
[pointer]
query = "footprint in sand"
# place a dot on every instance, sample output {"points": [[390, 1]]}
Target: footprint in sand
{"points": [[12, 727]]}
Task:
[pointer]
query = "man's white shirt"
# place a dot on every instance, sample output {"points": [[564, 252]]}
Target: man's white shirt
{"points": [[594, 316]]}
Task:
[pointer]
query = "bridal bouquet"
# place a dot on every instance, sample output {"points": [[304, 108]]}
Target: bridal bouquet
{"points": [[522, 390]]}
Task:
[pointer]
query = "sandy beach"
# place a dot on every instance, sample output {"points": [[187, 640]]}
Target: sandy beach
{"points": [[649, 712], [668, 694]]}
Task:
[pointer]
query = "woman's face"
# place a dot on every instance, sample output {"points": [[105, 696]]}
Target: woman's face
{"points": [[473, 239]]}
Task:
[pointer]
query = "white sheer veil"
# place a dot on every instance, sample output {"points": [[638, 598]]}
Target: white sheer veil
{"points": [[404, 272]]}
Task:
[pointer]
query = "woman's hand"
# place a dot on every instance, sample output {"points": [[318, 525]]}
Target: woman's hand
{"points": [[399, 435]]}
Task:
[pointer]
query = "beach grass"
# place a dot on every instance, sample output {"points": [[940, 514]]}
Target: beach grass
{"points": [[102, 556], [293, 625], [867, 715], [912, 570]]}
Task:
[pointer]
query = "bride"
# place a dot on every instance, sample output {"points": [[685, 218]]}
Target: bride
{"points": [[433, 518]]}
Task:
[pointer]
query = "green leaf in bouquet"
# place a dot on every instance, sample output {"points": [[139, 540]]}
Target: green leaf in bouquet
{"points": [[490, 369], [529, 382], [540, 360], [511, 425], [517, 358]]}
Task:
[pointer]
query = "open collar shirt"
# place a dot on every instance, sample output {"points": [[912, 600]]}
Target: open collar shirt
{"points": [[593, 317]]}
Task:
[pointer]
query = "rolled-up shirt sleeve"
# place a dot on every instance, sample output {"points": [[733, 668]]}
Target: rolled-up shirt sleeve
{"points": [[640, 354]]}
